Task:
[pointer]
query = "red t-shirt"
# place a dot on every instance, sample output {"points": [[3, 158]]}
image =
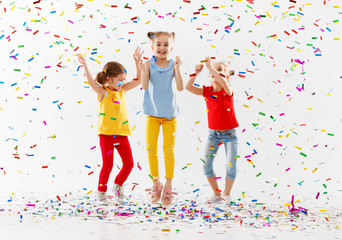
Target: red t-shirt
{"points": [[220, 106]]}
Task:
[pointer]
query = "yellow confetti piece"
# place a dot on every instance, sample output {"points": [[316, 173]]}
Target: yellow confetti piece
{"points": [[243, 195], [27, 74], [61, 14], [314, 170], [117, 50], [212, 46], [20, 97], [268, 14], [189, 164], [274, 3], [12, 7], [323, 130], [230, 164], [204, 14], [336, 38], [197, 122], [260, 139], [97, 61], [86, 83], [336, 6], [322, 210], [308, 4], [256, 23], [106, 5], [285, 213], [17, 88], [147, 22], [294, 227], [222, 6], [89, 192], [297, 201], [182, 19], [60, 57], [298, 148], [211, 148], [260, 100], [133, 127]]}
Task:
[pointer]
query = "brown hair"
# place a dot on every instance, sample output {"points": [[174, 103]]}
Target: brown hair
{"points": [[153, 35], [111, 69]]}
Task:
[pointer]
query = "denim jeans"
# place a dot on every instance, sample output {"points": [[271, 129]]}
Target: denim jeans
{"points": [[215, 140]]}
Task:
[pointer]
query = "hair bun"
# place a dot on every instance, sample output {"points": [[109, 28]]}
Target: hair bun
{"points": [[150, 35], [231, 72]]}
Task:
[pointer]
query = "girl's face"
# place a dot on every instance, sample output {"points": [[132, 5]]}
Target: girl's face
{"points": [[162, 46], [221, 68], [115, 83]]}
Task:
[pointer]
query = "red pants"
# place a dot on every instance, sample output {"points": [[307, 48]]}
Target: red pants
{"points": [[107, 144]]}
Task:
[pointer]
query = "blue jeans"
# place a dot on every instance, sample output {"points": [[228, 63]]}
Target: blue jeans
{"points": [[229, 140]]}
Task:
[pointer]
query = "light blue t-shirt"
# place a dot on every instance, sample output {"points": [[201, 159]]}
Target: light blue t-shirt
{"points": [[160, 97]]}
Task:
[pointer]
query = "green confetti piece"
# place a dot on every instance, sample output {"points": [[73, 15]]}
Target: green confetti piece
{"points": [[231, 19], [255, 124], [314, 37], [324, 185], [17, 70], [259, 203], [114, 29], [335, 21], [330, 134], [325, 192], [125, 122], [203, 7], [303, 154], [235, 50], [53, 157], [20, 46], [309, 44], [263, 114], [113, 119], [275, 185], [295, 132], [272, 118], [175, 13], [237, 30], [150, 176], [202, 160], [258, 174], [103, 114], [184, 167], [249, 6], [293, 15]]}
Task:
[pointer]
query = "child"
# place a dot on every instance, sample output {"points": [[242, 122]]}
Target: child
{"points": [[160, 79], [222, 123], [113, 127]]}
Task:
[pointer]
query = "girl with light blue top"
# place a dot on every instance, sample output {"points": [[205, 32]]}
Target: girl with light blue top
{"points": [[161, 78]]}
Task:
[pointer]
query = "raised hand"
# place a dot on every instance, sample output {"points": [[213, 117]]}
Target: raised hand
{"points": [[198, 68], [208, 63], [137, 55], [177, 62], [81, 60]]}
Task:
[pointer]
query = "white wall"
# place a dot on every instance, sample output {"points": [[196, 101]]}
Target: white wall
{"points": [[75, 124]]}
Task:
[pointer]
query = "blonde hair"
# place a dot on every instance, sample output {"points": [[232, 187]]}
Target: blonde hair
{"points": [[153, 35], [111, 69], [227, 67]]}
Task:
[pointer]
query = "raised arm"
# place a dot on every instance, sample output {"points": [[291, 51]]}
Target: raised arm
{"points": [[190, 84], [219, 77], [145, 74], [137, 59], [178, 76], [94, 85]]}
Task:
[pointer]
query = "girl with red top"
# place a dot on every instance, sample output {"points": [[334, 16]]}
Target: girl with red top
{"points": [[222, 123]]}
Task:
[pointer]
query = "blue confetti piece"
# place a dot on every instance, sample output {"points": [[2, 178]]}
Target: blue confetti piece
{"points": [[2, 36], [155, 59], [14, 84], [196, 190]]}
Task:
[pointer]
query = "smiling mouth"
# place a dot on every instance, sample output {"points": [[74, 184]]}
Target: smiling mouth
{"points": [[161, 53]]}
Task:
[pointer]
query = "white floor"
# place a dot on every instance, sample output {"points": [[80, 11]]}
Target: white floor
{"points": [[78, 216]]}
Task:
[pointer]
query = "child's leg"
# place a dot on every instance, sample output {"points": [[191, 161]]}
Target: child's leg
{"points": [[210, 150], [106, 144], [169, 136], [124, 149], [152, 132], [231, 148]]}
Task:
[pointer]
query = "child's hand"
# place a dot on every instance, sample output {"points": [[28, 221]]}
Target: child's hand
{"points": [[177, 62], [137, 55], [198, 68], [208, 63], [81, 60], [142, 66]]}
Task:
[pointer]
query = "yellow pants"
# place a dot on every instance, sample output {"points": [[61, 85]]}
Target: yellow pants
{"points": [[169, 125]]}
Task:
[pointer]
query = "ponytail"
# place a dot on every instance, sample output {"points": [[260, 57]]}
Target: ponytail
{"points": [[101, 77], [153, 35]]}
